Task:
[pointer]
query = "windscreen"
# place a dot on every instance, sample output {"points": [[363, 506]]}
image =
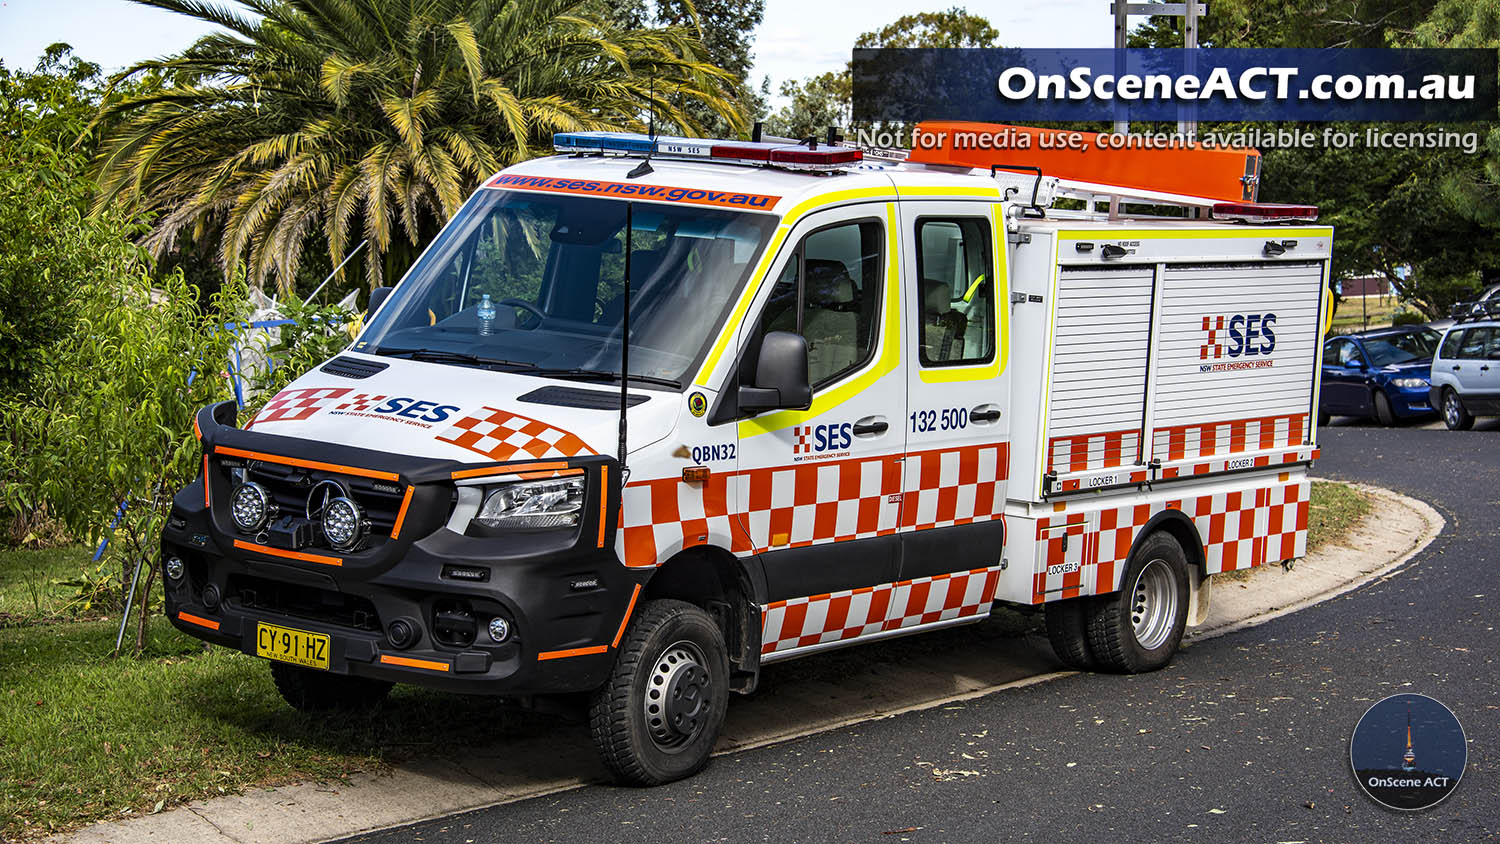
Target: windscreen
{"points": [[533, 282], [1388, 349]]}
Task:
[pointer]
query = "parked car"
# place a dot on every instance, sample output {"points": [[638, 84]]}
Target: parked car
{"points": [[1466, 373], [1384, 373]]}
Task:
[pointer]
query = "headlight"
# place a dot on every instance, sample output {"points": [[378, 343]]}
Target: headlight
{"points": [[343, 523], [250, 506], [534, 504], [1409, 383]]}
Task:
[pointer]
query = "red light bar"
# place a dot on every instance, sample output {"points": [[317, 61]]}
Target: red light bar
{"points": [[828, 157], [743, 153], [1263, 212]]}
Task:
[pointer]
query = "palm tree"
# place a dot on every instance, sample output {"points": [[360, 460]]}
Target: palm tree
{"points": [[340, 119]]}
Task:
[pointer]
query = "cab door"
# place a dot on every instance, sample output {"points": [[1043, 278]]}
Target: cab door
{"points": [[820, 488], [957, 388]]}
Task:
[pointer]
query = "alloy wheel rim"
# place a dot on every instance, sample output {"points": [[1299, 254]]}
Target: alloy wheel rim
{"points": [[1153, 605]]}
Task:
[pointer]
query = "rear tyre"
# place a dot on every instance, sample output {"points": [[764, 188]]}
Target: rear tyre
{"points": [[311, 690], [1383, 412], [1455, 415], [657, 717], [1139, 628], [1067, 629]]}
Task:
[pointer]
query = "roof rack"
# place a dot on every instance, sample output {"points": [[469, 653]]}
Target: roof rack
{"points": [[1477, 310]]}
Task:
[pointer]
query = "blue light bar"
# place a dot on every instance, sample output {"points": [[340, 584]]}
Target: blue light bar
{"points": [[603, 142]]}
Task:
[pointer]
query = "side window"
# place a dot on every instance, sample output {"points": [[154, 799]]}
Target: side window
{"points": [[1349, 354], [1472, 347], [957, 291], [1450, 345], [830, 294], [1331, 352]]}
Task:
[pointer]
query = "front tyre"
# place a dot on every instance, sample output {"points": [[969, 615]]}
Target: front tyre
{"points": [[311, 690], [1139, 628], [1384, 414], [1455, 415], [657, 717]]}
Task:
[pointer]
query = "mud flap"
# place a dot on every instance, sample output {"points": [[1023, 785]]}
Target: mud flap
{"points": [[1200, 594]]}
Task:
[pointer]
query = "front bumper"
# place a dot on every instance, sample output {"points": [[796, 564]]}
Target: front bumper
{"points": [[565, 594]]}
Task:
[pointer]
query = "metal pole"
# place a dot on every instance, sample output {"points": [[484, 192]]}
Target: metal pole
{"points": [[1188, 127], [319, 288], [1122, 28]]}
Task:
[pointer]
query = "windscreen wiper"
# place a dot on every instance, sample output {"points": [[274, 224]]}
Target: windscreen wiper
{"points": [[575, 373], [440, 356]]}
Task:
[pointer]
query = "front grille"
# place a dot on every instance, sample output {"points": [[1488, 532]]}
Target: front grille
{"points": [[248, 592], [289, 487]]}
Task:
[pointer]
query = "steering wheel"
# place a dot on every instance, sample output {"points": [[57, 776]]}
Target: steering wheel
{"points": [[525, 306]]}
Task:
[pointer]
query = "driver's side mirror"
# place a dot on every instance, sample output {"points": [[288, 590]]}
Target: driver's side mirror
{"points": [[377, 298], [781, 381]]}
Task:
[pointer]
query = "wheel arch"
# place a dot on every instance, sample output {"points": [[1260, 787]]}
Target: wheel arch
{"points": [[1181, 528], [723, 585]]}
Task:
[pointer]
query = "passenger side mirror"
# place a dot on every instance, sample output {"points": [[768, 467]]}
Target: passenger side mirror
{"points": [[781, 381], [1495, 355], [377, 298]]}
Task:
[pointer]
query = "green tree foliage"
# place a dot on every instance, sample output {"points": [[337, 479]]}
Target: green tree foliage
{"points": [[825, 100], [46, 246], [374, 119], [727, 28]]}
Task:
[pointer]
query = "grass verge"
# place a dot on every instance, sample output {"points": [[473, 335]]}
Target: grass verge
{"points": [[30, 587], [85, 738]]}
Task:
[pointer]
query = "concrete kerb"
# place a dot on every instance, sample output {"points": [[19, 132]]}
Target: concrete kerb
{"points": [[1396, 529]]}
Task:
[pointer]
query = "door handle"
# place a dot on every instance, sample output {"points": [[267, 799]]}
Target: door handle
{"points": [[983, 414], [1455, 367], [871, 425], [1485, 368]]}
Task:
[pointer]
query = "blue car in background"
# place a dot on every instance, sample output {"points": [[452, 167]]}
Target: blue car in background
{"points": [[1383, 373]]}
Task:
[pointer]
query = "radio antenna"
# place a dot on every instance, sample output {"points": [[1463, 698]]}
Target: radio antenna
{"points": [[625, 333]]}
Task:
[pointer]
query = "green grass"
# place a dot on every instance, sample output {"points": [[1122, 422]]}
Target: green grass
{"points": [[84, 737], [28, 581], [1349, 317], [1333, 510]]}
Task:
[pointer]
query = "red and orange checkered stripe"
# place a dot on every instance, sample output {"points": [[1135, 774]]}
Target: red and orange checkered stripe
{"points": [[1239, 530], [841, 616], [1082, 452], [501, 435], [1186, 442], [811, 503]]}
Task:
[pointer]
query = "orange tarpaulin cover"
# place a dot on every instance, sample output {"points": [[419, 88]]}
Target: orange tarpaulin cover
{"points": [[1186, 169]]}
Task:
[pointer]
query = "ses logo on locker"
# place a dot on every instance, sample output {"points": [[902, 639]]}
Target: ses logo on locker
{"points": [[1247, 339]]}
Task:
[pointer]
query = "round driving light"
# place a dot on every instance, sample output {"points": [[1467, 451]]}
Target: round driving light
{"points": [[211, 596], [402, 633], [343, 523], [250, 506], [175, 569], [499, 629]]}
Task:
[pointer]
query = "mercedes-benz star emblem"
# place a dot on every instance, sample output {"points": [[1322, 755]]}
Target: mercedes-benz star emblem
{"points": [[322, 493]]}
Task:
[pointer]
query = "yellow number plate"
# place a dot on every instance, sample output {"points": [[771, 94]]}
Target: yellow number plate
{"points": [[295, 646]]}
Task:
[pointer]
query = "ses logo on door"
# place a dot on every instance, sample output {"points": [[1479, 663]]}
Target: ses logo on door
{"points": [[816, 442], [1247, 338]]}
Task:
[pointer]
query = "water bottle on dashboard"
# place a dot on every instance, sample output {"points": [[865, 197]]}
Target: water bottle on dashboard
{"points": [[486, 313]]}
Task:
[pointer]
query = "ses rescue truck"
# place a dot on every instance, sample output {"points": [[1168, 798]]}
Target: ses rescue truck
{"points": [[867, 396]]}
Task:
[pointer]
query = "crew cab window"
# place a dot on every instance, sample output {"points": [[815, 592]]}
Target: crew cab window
{"points": [[829, 292], [957, 292]]}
